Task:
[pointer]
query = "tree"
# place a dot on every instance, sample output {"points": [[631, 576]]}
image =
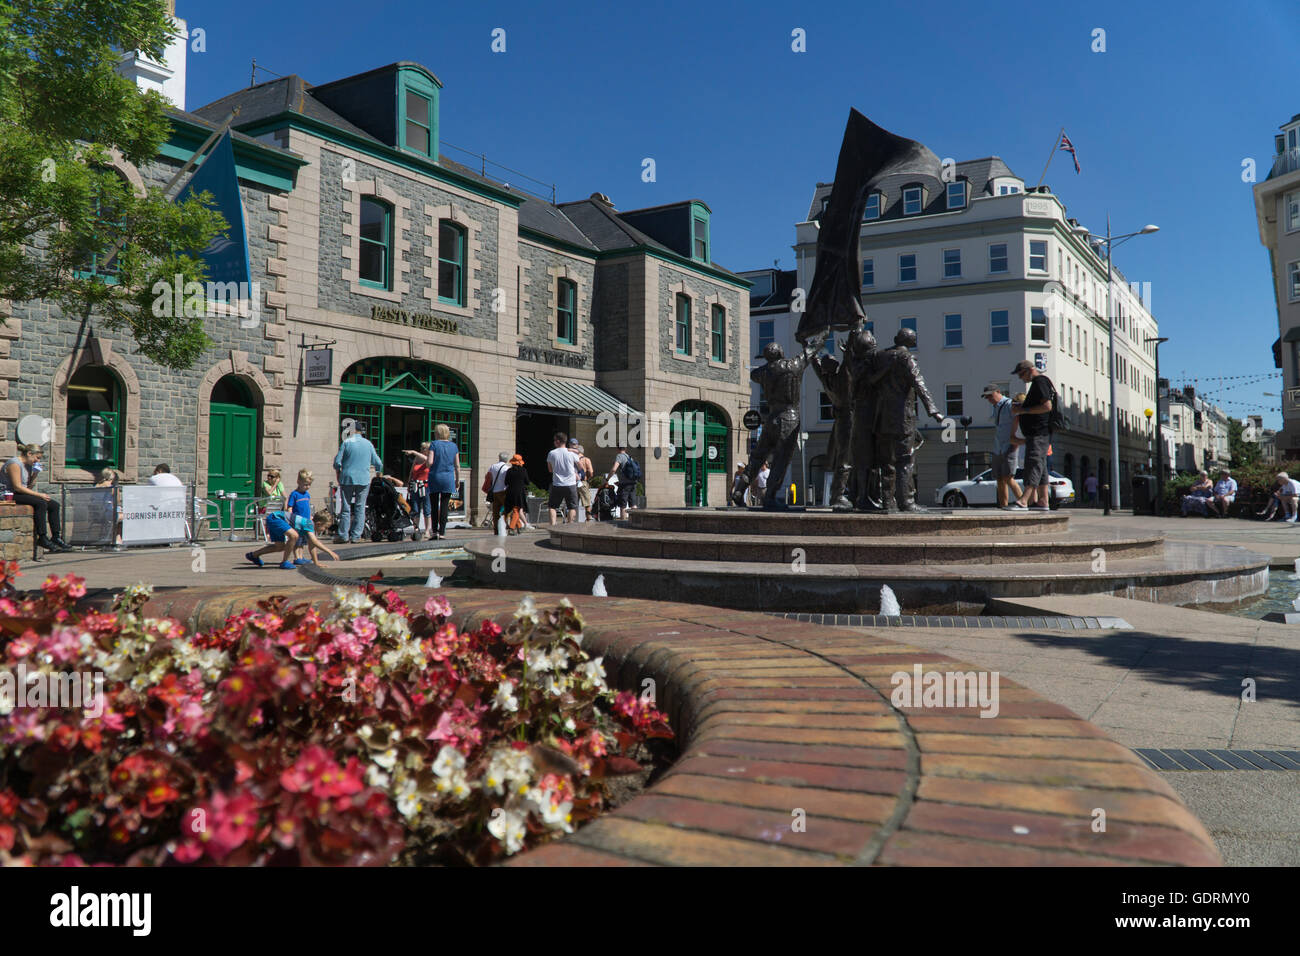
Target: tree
{"points": [[63, 208], [1244, 453]]}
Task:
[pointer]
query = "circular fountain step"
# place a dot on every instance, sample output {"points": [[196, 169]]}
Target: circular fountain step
{"points": [[1185, 573], [822, 522], [916, 549]]}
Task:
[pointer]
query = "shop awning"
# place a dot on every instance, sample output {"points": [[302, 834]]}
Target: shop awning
{"points": [[574, 398]]}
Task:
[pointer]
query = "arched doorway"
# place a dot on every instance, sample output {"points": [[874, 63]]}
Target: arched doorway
{"points": [[96, 420], [234, 441], [699, 435], [401, 400]]}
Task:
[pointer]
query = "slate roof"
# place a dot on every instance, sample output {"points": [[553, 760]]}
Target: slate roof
{"points": [[206, 123], [979, 173], [587, 223], [783, 286]]}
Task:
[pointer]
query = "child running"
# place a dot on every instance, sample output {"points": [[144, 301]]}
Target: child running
{"points": [[311, 537], [281, 537]]}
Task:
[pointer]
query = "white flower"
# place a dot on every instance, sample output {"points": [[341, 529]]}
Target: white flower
{"points": [[408, 801], [593, 672], [555, 686], [527, 610], [504, 698], [538, 660], [387, 759], [558, 815], [508, 827], [450, 762], [508, 768], [376, 777], [570, 726]]}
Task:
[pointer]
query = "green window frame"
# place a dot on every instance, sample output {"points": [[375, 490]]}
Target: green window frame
{"points": [[91, 268], [451, 263], [418, 117], [369, 386], [94, 440], [566, 312], [701, 232], [375, 238], [718, 332], [683, 324]]}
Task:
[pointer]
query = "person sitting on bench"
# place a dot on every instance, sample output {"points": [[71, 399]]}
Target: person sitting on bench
{"points": [[15, 478]]}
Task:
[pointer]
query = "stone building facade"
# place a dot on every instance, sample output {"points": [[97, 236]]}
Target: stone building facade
{"points": [[443, 296]]}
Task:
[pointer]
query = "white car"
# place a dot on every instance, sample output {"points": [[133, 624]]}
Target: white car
{"points": [[983, 490]]}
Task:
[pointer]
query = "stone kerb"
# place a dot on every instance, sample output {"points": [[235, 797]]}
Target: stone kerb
{"points": [[791, 752]]}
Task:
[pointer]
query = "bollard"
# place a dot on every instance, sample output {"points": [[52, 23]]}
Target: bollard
{"points": [[1105, 497]]}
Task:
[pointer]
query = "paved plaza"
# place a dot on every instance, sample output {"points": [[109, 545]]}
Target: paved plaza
{"points": [[1174, 680]]}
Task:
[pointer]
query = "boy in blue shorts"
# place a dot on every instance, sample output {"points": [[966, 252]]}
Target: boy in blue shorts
{"points": [[282, 538]]}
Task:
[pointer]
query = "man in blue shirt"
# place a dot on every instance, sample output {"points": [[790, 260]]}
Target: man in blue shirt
{"points": [[1225, 492], [352, 468], [1004, 452]]}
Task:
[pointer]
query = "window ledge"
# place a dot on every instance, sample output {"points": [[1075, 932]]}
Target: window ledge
{"points": [[683, 358], [714, 363], [462, 310], [565, 346]]}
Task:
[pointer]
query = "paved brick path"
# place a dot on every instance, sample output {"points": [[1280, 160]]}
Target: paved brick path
{"points": [[776, 716]]}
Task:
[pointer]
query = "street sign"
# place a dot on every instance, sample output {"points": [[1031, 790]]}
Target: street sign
{"points": [[752, 419], [1040, 361]]}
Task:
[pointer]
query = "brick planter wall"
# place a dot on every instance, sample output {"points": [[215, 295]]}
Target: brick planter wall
{"points": [[15, 532], [775, 717]]}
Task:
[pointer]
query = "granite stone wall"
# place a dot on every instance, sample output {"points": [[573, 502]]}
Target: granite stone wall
{"points": [[610, 316], [670, 282], [169, 400], [336, 294], [544, 267]]}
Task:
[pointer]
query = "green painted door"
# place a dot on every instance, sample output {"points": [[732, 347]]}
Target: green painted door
{"points": [[232, 456]]}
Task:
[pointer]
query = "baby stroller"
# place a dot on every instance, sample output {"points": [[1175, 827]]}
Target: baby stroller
{"points": [[387, 515], [605, 502]]}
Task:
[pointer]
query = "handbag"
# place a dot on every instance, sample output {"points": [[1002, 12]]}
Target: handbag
{"points": [[418, 488]]}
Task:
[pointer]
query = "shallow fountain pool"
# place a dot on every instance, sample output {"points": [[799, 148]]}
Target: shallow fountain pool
{"points": [[1283, 588]]}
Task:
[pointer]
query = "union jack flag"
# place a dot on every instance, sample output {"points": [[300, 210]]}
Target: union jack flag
{"points": [[1066, 145]]}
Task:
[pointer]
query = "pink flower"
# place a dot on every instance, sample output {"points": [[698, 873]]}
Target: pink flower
{"points": [[458, 726], [231, 821], [437, 608]]}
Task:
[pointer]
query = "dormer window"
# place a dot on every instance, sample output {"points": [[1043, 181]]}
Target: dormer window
{"points": [[912, 201], [957, 194], [419, 123], [701, 239], [873, 208]]}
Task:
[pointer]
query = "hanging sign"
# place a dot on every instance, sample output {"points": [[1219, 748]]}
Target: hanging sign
{"points": [[318, 367]]}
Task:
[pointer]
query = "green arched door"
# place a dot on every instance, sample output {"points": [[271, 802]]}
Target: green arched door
{"points": [[232, 443], [698, 433], [401, 401]]}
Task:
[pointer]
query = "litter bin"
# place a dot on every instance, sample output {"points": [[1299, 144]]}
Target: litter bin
{"points": [[1144, 494]]}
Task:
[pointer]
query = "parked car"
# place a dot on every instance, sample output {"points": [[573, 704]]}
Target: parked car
{"points": [[983, 490]]}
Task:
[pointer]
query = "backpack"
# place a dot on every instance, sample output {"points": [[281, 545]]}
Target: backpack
{"points": [[1056, 420], [630, 470]]}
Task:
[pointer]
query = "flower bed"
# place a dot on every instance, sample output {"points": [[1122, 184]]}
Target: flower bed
{"points": [[363, 733]]}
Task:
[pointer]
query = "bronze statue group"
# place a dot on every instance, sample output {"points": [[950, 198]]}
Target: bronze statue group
{"points": [[873, 441]]}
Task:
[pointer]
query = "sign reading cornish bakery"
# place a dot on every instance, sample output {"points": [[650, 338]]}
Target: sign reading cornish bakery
{"points": [[571, 359], [417, 320]]}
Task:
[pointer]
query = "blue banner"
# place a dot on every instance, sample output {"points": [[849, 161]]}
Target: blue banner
{"points": [[226, 255]]}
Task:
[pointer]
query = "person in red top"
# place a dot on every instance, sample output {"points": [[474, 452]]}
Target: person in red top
{"points": [[417, 492]]}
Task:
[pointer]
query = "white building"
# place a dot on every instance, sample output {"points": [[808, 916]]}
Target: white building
{"points": [[167, 77], [989, 273], [1277, 210]]}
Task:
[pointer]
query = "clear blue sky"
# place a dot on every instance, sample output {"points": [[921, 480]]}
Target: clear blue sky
{"points": [[713, 92]]}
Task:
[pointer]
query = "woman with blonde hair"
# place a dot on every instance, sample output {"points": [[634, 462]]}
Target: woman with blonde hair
{"points": [[418, 489], [444, 475]]}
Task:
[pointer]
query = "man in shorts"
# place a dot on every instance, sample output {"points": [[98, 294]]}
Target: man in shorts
{"points": [[1004, 452], [1035, 417], [563, 466]]}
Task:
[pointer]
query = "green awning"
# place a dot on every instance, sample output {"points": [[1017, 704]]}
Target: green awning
{"points": [[572, 398]]}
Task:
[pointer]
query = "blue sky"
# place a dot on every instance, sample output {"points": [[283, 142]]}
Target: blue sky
{"points": [[713, 92]]}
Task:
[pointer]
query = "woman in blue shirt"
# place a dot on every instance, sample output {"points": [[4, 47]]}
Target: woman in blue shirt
{"points": [[444, 475]]}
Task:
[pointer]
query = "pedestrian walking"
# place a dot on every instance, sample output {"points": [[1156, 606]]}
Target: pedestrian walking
{"points": [[586, 472], [417, 489], [738, 485], [516, 499], [1090, 489], [1035, 422], [494, 487], [562, 463], [1004, 449], [626, 473], [759, 493], [444, 476], [356, 456]]}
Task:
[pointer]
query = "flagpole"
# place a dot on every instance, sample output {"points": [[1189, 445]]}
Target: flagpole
{"points": [[1049, 157], [216, 134]]}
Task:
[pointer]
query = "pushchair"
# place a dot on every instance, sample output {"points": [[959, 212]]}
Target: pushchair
{"points": [[604, 503], [387, 515]]}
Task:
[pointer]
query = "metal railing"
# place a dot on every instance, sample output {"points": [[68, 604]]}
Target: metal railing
{"points": [[1285, 162]]}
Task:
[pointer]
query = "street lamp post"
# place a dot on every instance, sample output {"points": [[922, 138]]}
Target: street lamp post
{"points": [[1160, 432], [1111, 242]]}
